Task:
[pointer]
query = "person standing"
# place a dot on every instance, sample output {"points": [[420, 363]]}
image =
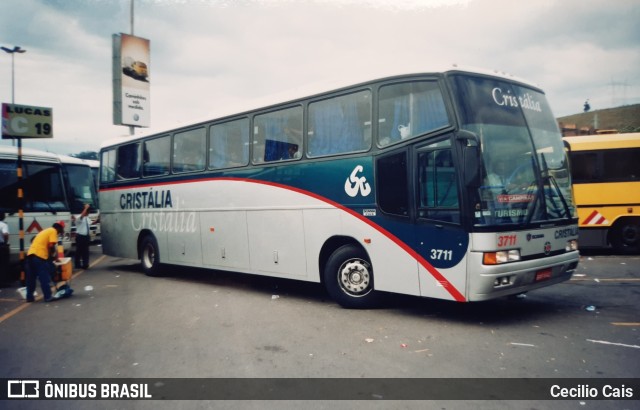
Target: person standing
{"points": [[40, 260], [81, 257]]}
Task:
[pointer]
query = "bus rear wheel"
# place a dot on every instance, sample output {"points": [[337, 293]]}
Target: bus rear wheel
{"points": [[626, 236], [150, 256], [348, 277]]}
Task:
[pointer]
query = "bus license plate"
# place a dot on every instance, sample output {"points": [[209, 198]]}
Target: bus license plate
{"points": [[543, 274]]}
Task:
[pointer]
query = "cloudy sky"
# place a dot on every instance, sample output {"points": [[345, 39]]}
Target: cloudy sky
{"points": [[207, 55]]}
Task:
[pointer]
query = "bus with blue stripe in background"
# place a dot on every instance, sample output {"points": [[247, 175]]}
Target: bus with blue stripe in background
{"points": [[387, 185]]}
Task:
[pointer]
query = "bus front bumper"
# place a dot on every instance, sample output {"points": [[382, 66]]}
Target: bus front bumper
{"points": [[490, 282]]}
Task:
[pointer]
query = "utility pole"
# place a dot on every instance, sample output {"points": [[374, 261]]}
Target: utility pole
{"points": [[20, 193]]}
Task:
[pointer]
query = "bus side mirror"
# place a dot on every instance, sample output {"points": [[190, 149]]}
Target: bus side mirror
{"points": [[470, 158]]}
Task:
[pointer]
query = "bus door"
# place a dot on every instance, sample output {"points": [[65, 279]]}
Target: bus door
{"points": [[439, 236]]}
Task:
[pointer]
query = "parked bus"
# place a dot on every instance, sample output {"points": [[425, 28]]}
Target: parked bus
{"points": [[81, 189], [377, 186], [606, 185], [45, 200]]}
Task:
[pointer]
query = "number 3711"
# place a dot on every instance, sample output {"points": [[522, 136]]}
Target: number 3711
{"points": [[441, 254]]}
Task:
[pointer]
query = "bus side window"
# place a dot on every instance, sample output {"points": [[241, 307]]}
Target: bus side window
{"points": [[392, 184], [189, 150], [621, 165], [108, 166], [278, 135], [407, 110], [156, 156], [584, 167], [229, 144], [128, 162], [340, 125]]}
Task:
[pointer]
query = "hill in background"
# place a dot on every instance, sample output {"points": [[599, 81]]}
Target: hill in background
{"points": [[607, 121]]}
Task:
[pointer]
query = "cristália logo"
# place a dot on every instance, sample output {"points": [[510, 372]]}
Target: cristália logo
{"points": [[355, 184]]}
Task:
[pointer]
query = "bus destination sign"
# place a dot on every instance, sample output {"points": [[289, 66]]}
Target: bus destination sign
{"points": [[25, 121]]}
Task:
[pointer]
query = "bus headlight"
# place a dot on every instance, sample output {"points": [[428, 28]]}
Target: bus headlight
{"points": [[496, 258], [571, 245]]}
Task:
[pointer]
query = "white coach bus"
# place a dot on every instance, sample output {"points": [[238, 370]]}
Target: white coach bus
{"points": [[383, 185], [45, 200]]}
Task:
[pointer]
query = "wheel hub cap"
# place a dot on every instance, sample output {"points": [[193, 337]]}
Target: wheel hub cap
{"points": [[355, 277]]}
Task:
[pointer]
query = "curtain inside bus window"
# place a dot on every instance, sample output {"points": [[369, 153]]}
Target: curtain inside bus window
{"points": [[278, 135], [340, 125], [275, 138], [229, 144], [410, 109]]}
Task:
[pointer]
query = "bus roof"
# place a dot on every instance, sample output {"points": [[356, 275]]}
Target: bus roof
{"points": [[93, 163], [28, 154], [603, 141], [66, 159], [316, 89]]}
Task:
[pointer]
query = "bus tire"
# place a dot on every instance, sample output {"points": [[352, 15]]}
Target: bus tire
{"points": [[150, 256], [625, 235], [348, 277]]}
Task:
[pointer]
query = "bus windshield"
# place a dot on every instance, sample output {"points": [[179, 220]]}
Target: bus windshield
{"points": [[42, 187], [81, 187], [524, 169]]}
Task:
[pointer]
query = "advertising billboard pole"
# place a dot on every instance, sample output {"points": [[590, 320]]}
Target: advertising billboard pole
{"points": [[131, 99], [132, 129]]}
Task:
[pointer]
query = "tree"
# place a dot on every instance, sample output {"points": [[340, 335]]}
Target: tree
{"points": [[86, 155]]}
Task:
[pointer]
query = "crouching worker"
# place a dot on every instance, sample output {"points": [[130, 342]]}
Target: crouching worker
{"points": [[40, 257]]}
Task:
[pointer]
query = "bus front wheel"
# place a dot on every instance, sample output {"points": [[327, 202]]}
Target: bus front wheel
{"points": [[626, 235], [150, 256], [348, 277]]}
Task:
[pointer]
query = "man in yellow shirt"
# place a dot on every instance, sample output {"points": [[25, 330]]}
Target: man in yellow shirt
{"points": [[39, 261]]}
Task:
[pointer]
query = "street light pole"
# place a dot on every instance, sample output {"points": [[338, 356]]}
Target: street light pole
{"points": [[16, 49]]}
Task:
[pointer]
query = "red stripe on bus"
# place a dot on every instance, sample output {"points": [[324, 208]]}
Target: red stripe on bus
{"points": [[448, 286], [432, 270]]}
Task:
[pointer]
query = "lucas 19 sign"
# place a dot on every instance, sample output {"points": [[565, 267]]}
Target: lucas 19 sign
{"points": [[25, 121]]}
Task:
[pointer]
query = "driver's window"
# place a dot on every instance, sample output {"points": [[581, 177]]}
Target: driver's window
{"points": [[438, 185]]}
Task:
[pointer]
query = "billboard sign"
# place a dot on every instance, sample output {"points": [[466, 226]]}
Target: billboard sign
{"points": [[26, 121], [131, 99]]}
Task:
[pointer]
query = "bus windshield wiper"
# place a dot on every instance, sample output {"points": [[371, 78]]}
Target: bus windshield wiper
{"points": [[548, 179], [551, 180]]}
